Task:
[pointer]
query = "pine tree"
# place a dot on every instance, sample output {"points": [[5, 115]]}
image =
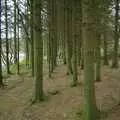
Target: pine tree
{"points": [[18, 43], [1, 78], [75, 39], [27, 38], [31, 33], [50, 37], [69, 36], [90, 111], [6, 36], [38, 50], [115, 55], [64, 33], [98, 59], [79, 41], [55, 40], [105, 49], [15, 39]]}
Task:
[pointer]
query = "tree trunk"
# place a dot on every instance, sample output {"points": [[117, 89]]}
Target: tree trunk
{"points": [[98, 60], [15, 39], [90, 111], [55, 48], [31, 32], [79, 41], [69, 38], [18, 47], [105, 50], [116, 45], [27, 40], [50, 37], [38, 51], [75, 39], [64, 34], [7, 41], [1, 78]]}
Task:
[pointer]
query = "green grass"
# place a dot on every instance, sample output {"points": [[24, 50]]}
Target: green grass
{"points": [[13, 68]]}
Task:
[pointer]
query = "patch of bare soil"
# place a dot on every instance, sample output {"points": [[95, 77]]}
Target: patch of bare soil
{"points": [[14, 102]]}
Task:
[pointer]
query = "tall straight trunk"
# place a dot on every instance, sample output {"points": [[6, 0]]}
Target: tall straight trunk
{"points": [[75, 77], [53, 35], [49, 53], [38, 50], [69, 38], [105, 49], [82, 46], [7, 41], [98, 47], [79, 41], [115, 55], [15, 38], [27, 40], [27, 51], [98, 60], [64, 34], [1, 78], [31, 32], [55, 48], [90, 109], [75, 39], [50, 37], [82, 58], [18, 46]]}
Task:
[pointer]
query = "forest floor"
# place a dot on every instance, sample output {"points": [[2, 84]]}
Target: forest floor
{"points": [[67, 105]]}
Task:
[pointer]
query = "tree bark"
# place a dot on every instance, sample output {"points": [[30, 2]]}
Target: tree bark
{"points": [[1, 78], [90, 111], [69, 38], [116, 45], [38, 51], [7, 41]]}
